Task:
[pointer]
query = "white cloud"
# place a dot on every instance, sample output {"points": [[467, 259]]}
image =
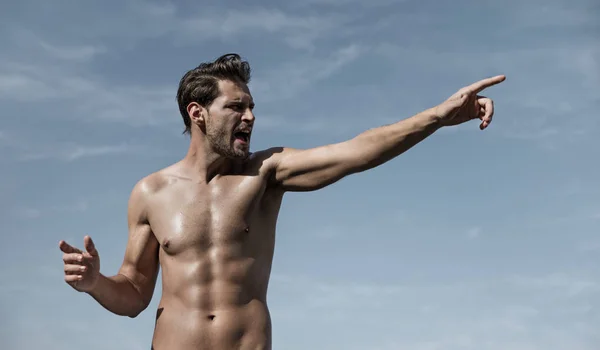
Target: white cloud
{"points": [[558, 284], [350, 2], [290, 78], [30, 150], [587, 62], [297, 31], [509, 312], [76, 53], [29, 42], [555, 13], [59, 72], [326, 232], [79, 206], [72, 152], [592, 247], [28, 213], [474, 232], [138, 20], [77, 94], [537, 106], [138, 105], [537, 289]]}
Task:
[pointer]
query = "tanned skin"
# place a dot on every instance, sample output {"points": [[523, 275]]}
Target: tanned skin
{"points": [[209, 220]]}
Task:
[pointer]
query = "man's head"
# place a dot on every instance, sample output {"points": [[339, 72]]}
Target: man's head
{"points": [[214, 100]]}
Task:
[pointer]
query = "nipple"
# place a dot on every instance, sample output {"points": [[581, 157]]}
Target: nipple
{"points": [[166, 244], [247, 229]]}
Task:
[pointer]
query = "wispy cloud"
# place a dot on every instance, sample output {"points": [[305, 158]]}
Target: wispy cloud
{"points": [[591, 246], [544, 115], [140, 20], [521, 315], [474, 232], [282, 123], [298, 31], [29, 42], [74, 93], [79, 206], [560, 284], [326, 232], [350, 2], [301, 73], [555, 13], [72, 152], [60, 72], [28, 150], [333, 294]]}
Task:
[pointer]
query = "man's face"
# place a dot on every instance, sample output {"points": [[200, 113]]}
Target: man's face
{"points": [[230, 120]]}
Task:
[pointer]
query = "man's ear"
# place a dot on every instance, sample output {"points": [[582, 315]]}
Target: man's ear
{"points": [[197, 114]]}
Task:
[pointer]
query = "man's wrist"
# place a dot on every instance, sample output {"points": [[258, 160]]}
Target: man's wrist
{"points": [[95, 289], [433, 117]]}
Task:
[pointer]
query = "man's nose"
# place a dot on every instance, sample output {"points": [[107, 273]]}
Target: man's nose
{"points": [[248, 117]]}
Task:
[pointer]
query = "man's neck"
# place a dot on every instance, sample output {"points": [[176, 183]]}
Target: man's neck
{"points": [[203, 162]]}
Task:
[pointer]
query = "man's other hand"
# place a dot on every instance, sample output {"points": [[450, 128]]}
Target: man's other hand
{"points": [[82, 268]]}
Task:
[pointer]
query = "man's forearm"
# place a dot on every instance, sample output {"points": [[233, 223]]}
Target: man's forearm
{"points": [[377, 146], [118, 295]]}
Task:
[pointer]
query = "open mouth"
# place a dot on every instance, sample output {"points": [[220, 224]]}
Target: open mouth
{"points": [[243, 136]]}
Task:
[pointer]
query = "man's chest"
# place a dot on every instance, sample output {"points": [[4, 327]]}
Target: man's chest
{"points": [[220, 213]]}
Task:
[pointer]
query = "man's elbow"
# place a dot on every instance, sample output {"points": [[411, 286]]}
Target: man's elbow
{"points": [[135, 312], [140, 304]]}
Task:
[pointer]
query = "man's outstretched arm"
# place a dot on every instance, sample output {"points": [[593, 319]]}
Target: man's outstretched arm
{"points": [[129, 291], [311, 169]]}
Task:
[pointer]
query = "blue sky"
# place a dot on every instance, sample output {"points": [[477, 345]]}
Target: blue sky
{"points": [[471, 240]]}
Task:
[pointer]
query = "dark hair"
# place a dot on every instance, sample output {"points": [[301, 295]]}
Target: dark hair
{"points": [[201, 84]]}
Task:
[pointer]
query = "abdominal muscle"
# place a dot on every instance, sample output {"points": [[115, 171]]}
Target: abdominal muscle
{"points": [[212, 301]]}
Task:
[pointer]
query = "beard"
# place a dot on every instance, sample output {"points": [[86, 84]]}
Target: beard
{"points": [[221, 141]]}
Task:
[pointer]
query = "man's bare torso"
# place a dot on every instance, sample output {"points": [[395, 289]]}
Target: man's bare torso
{"points": [[216, 243]]}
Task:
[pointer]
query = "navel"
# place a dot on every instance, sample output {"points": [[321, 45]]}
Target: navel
{"points": [[247, 229]]}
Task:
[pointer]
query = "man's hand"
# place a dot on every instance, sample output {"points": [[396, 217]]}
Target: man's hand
{"points": [[466, 104], [82, 269]]}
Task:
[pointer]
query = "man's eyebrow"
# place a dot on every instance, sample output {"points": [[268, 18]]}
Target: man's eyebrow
{"points": [[241, 101]]}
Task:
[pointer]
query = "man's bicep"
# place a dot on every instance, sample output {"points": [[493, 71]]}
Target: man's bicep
{"points": [[314, 168], [140, 264]]}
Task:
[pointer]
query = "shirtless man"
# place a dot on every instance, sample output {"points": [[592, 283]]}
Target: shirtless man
{"points": [[209, 220]]}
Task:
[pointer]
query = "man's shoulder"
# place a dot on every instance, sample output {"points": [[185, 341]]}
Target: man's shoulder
{"points": [[268, 159], [152, 183], [142, 192], [267, 162]]}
